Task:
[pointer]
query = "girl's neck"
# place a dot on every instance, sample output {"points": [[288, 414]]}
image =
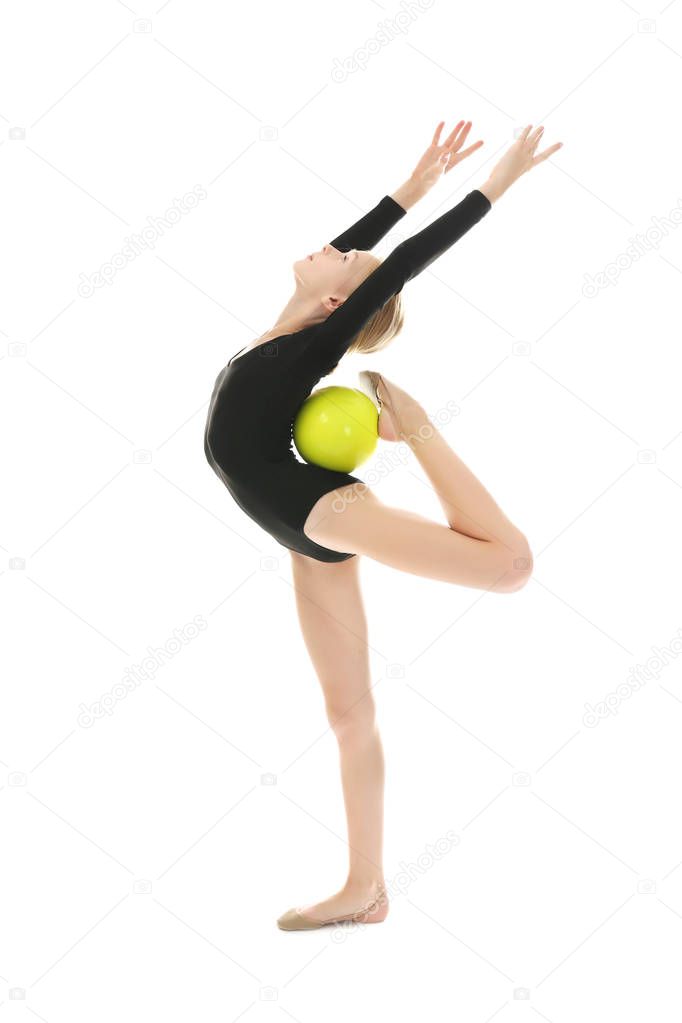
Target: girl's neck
{"points": [[295, 316]]}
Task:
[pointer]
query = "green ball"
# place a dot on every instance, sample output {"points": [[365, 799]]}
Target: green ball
{"points": [[337, 428]]}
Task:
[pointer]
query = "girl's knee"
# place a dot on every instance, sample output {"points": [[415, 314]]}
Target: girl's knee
{"points": [[355, 722], [518, 570]]}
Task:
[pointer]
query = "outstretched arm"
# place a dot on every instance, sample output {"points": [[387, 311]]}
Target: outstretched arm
{"points": [[521, 157], [331, 338], [371, 228], [438, 159]]}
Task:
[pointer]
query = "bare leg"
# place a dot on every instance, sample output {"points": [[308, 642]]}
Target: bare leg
{"points": [[332, 616], [479, 547]]}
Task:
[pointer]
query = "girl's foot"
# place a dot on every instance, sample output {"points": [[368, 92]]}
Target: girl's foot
{"points": [[397, 408], [362, 903]]}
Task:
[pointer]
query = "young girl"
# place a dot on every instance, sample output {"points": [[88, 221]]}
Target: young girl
{"points": [[346, 300]]}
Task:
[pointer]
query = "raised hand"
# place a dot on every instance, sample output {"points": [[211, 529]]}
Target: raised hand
{"points": [[521, 157], [440, 158]]}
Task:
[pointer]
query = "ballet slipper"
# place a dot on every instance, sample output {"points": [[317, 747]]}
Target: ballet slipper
{"points": [[294, 920], [369, 384]]}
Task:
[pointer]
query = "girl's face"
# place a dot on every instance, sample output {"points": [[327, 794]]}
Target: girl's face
{"points": [[331, 272]]}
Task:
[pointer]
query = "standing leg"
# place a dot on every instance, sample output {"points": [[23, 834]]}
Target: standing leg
{"points": [[332, 616]]}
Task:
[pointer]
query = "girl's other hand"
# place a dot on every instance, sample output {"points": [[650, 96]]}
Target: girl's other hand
{"points": [[521, 157]]}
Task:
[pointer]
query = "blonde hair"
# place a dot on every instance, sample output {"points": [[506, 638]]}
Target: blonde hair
{"points": [[383, 326]]}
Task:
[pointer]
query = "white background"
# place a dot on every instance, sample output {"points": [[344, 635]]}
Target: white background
{"points": [[144, 861]]}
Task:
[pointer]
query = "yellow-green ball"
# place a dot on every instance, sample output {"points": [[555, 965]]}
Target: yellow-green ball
{"points": [[337, 428]]}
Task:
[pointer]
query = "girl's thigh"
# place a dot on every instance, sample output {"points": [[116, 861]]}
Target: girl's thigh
{"points": [[353, 519]]}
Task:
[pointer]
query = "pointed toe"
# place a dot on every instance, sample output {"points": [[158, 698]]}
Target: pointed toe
{"points": [[368, 381], [292, 920]]}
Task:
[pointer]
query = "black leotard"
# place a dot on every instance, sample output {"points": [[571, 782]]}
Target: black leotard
{"points": [[248, 438]]}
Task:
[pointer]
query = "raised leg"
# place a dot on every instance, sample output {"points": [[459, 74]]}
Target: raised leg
{"points": [[333, 623], [479, 546]]}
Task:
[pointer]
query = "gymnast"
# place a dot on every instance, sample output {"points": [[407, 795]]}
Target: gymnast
{"points": [[347, 300]]}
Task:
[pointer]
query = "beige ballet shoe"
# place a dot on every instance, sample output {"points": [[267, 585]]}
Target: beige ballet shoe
{"points": [[369, 381], [376, 913]]}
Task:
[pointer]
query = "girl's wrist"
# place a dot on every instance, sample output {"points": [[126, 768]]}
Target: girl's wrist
{"points": [[409, 193], [492, 190]]}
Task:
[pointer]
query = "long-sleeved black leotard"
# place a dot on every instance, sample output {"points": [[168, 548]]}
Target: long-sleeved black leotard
{"points": [[248, 438]]}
